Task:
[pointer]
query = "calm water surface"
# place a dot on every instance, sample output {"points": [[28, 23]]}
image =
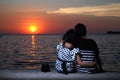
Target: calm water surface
{"points": [[30, 51]]}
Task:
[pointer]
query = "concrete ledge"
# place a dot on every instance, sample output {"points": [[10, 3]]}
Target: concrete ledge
{"points": [[53, 75]]}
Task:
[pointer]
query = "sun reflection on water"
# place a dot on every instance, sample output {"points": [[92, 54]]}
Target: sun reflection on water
{"points": [[33, 43], [33, 56]]}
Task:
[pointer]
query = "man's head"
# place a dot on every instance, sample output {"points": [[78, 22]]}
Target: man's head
{"points": [[80, 29]]}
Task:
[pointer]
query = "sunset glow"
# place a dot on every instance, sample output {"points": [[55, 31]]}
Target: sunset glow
{"points": [[54, 17], [33, 28]]}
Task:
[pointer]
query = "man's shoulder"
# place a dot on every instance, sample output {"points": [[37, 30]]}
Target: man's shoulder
{"points": [[89, 40]]}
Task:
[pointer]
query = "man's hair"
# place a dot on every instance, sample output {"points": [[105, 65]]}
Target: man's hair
{"points": [[80, 29]]}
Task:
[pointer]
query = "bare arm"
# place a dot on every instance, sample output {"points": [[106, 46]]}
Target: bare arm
{"points": [[85, 64], [68, 45]]}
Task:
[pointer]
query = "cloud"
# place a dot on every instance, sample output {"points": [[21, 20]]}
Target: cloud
{"points": [[101, 10]]}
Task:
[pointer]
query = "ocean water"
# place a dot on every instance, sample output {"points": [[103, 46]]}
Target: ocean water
{"points": [[30, 51]]}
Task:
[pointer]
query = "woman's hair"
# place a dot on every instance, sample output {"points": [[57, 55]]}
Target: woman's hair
{"points": [[69, 36], [80, 29]]}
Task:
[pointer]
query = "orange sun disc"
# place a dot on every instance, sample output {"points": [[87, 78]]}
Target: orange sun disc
{"points": [[33, 28]]}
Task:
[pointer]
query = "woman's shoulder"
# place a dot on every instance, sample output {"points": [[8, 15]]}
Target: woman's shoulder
{"points": [[59, 46]]}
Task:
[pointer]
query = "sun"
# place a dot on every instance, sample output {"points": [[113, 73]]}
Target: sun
{"points": [[33, 28]]}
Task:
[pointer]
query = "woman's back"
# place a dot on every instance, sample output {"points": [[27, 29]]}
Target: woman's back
{"points": [[65, 62]]}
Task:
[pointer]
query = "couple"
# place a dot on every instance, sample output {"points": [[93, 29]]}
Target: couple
{"points": [[77, 53]]}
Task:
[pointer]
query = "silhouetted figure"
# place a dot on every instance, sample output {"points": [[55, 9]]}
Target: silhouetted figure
{"points": [[88, 51]]}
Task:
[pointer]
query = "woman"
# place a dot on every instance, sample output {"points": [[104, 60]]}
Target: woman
{"points": [[88, 51], [65, 62]]}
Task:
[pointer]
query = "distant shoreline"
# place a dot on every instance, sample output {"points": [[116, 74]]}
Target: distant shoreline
{"points": [[113, 32], [30, 34]]}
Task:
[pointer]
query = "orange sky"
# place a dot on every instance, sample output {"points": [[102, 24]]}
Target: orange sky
{"points": [[16, 17]]}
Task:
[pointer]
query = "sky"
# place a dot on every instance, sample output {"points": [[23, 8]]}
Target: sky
{"points": [[57, 16]]}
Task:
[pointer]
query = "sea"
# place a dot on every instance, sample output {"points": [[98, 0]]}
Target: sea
{"points": [[30, 51]]}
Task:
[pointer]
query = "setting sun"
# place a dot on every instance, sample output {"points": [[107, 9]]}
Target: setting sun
{"points": [[33, 28]]}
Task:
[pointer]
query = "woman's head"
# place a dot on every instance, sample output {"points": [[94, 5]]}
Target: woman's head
{"points": [[80, 29], [70, 37]]}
